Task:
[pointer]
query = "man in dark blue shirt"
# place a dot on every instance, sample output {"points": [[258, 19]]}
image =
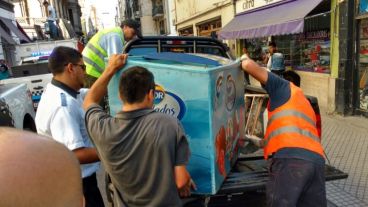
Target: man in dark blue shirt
{"points": [[297, 165]]}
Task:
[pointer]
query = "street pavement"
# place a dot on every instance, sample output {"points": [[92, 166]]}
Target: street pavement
{"points": [[345, 140]]}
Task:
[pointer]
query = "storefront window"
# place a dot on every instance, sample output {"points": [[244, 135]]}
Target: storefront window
{"points": [[363, 64], [309, 51], [186, 31], [209, 28]]}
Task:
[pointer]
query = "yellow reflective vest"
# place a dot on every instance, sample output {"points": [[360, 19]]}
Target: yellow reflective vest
{"points": [[94, 54]]}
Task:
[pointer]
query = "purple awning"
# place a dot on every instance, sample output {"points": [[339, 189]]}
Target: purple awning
{"points": [[278, 19]]}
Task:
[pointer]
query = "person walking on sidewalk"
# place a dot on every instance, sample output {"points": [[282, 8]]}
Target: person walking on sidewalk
{"points": [[60, 116], [105, 43], [138, 134], [297, 165]]}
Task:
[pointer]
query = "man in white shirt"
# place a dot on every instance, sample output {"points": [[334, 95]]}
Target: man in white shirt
{"points": [[51, 20], [60, 116]]}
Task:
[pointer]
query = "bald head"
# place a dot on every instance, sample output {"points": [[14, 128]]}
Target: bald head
{"points": [[37, 171]]}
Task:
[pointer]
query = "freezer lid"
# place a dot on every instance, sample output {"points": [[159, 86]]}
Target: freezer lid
{"points": [[182, 58]]}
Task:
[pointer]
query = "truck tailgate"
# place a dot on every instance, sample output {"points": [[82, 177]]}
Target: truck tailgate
{"points": [[250, 173]]}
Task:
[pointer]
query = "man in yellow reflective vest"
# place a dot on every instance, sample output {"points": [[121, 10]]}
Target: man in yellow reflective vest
{"points": [[297, 165], [107, 42]]}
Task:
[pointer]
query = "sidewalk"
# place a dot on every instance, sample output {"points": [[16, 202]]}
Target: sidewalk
{"points": [[345, 140]]}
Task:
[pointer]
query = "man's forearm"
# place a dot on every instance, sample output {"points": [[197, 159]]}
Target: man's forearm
{"points": [[86, 155], [253, 69]]}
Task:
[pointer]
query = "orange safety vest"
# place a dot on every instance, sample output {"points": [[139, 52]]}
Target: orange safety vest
{"points": [[292, 124]]}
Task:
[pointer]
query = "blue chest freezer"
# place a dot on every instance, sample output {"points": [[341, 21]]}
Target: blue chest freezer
{"points": [[207, 96]]}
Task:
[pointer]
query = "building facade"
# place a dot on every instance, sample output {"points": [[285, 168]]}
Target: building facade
{"points": [[303, 36], [154, 15], [31, 15], [352, 80], [203, 18], [11, 33]]}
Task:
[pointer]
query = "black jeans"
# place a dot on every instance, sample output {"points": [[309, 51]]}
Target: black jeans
{"points": [[91, 192], [296, 182]]}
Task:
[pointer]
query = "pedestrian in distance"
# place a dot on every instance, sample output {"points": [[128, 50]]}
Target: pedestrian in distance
{"points": [[275, 60], [60, 116], [37, 171], [107, 42], [144, 152], [51, 20], [297, 164]]}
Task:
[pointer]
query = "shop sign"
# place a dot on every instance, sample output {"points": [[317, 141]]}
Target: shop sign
{"points": [[247, 5], [322, 34]]}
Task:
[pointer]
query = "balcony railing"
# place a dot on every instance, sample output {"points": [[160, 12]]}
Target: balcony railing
{"points": [[157, 11], [27, 22]]}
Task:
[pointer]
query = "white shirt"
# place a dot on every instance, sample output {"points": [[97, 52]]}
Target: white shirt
{"points": [[60, 116], [52, 13], [269, 62]]}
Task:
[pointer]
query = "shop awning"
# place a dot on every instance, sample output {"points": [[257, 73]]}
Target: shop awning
{"points": [[286, 17], [7, 37], [14, 29]]}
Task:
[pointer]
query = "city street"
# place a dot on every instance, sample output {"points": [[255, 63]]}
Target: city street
{"points": [[191, 60]]}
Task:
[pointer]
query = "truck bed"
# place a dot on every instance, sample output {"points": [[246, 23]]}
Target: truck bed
{"points": [[250, 173]]}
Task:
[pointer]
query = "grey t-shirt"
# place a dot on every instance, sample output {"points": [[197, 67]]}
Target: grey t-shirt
{"points": [[139, 150]]}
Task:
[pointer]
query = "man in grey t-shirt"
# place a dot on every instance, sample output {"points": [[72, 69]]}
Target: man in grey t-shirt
{"points": [[145, 152]]}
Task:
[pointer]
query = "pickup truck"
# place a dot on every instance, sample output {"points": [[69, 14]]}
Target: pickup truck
{"points": [[249, 172], [32, 68], [16, 107], [35, 84], [34, 72]]}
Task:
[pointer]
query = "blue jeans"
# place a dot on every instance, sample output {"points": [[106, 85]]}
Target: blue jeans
{"points": [[53, 29], [295, 182]]}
